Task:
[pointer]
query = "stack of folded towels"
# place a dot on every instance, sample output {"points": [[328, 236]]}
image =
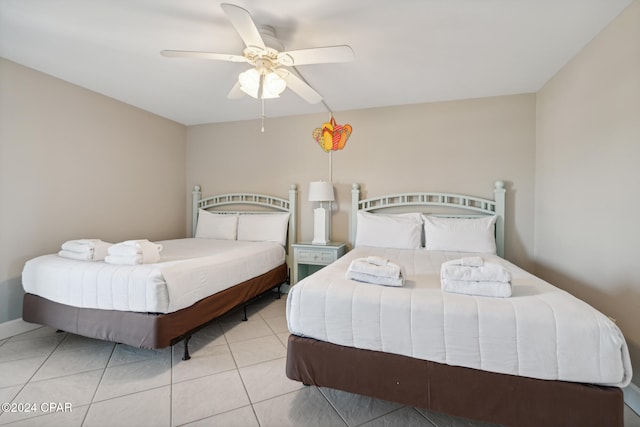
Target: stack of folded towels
{"points": [[475, 276], [132, 252], [376, 270], [85, 249]]}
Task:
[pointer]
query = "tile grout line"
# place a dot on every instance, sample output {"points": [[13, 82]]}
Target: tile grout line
{"points": [[331, 404], [104, 370], [42, 364], [171, 364], [237, 369]]}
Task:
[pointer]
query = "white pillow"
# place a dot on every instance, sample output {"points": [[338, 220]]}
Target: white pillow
{"points": [[216, 226], [269, 227], [400, 231], [460, 234]]}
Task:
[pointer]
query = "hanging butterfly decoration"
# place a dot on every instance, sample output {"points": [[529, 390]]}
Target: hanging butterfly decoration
{"points": [[332, 136]]}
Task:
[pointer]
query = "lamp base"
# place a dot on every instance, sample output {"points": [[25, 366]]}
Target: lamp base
{"points": [[320, 226]]}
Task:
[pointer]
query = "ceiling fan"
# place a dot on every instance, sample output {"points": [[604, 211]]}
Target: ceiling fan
{"points": [[268, 78]]}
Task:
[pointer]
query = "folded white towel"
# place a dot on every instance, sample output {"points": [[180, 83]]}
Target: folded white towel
{"points": [[141, 244], [85, 249], [487, 271], [124, 259], [469, 287], [377, 260], [134, 247], [149, 252], [471, 261], [376, 270], [81, 256], [361, 265], [80, 245], [376, 280]]}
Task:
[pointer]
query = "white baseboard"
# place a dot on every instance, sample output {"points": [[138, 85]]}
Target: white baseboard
{"points": [[15, 327], [632, 397]]}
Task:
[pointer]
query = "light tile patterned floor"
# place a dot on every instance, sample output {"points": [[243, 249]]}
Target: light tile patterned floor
{"points": [[235, 378]]}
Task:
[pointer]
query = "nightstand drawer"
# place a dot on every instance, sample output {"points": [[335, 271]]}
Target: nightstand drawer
{"points": [[324, 257]]}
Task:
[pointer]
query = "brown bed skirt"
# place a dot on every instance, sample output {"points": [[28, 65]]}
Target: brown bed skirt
{"points": [[147, 330], [498, 398]]}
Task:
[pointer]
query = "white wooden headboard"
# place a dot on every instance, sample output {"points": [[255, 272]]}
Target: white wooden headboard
{"points": [[248, 199], [471, 206]]}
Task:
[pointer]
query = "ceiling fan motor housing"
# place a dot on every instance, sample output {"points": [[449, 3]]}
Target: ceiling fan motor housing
{"points": [[268, 34]]}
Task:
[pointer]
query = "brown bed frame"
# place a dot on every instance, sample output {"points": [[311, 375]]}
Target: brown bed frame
{"points": [[508, 400], [149, 330], [158, 330]]}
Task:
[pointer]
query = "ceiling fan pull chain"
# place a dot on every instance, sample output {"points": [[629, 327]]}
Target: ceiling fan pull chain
{"points": [[262, 129], [261, 86]]}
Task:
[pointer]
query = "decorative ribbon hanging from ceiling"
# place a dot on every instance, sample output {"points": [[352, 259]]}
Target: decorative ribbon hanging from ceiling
{"points": [[332, 136]]}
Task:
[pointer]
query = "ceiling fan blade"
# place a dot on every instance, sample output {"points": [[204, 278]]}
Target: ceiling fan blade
{"points": [[298, 86], [244, 25], [317, 55], [203, 55], [235, 92]]}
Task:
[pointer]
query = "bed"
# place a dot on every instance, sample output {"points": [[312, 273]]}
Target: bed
{"points": [[237, 253], [540, 357]]}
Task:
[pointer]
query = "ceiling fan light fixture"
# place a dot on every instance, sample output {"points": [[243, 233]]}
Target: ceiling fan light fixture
{"points": [[249, 80], [273, 84]]}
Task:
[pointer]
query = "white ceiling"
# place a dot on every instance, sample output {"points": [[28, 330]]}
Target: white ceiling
{"points": [[407, 51]]}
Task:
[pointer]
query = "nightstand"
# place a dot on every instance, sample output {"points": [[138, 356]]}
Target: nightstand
{"points": [[309, 258]]}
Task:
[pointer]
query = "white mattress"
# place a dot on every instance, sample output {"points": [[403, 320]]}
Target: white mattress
{"points": [[540, 332], [189, 270]]}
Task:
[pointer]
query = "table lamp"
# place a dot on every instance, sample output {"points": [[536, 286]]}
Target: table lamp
{"points": [[321, 191]]}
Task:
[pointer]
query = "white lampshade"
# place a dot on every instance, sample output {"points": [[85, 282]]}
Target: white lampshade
{"points": [[273, 84], [321, 191]]}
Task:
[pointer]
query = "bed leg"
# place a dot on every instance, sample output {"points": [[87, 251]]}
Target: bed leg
{"points": [[186, 355], [279, 293], [244, 313]]}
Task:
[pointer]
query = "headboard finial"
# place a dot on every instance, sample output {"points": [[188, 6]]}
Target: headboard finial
{"points": [[499, 185], [355, 197], [196, 195]]}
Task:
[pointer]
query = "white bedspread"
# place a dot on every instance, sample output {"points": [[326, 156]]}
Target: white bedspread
{"points": [[540, 332], [189, 270]]}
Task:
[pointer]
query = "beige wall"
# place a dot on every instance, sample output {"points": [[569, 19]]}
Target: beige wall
{"points": [[461, 146], [76, 164], [588, 176]]}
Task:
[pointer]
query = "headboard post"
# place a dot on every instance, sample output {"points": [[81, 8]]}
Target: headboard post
{"points": [[196, 196], [293, 209], [355, 198], [499, 197]]}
